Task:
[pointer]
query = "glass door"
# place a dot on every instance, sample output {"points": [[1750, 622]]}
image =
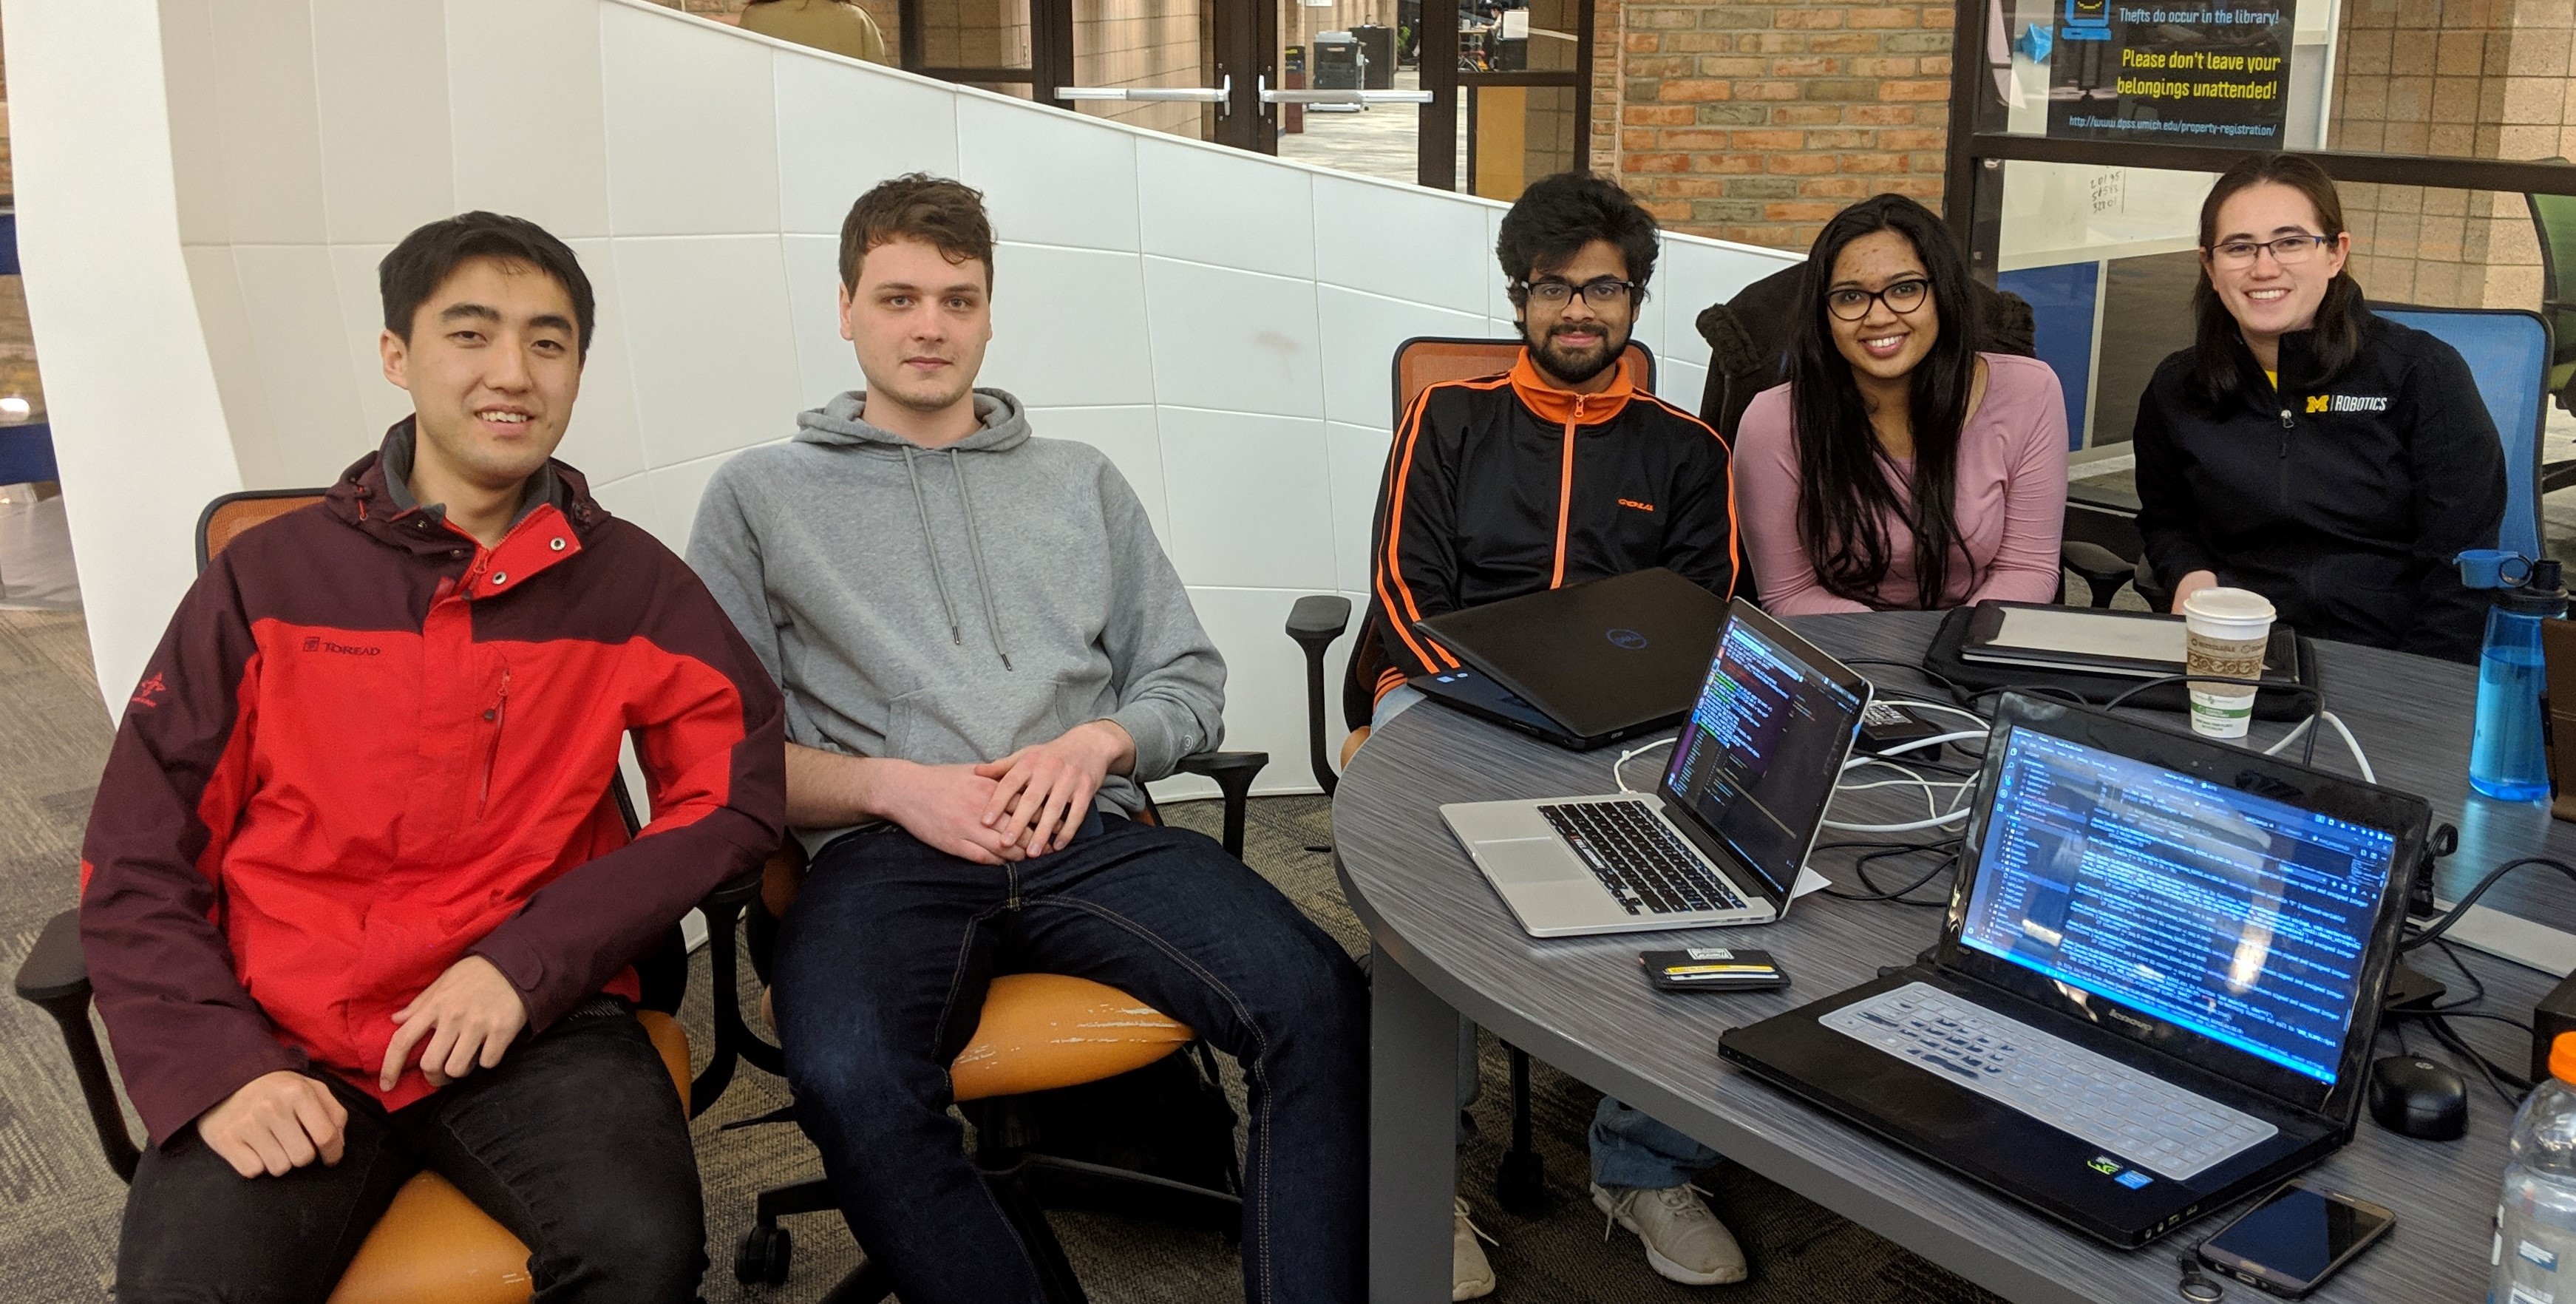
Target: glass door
{"points": [[1516, 72]]}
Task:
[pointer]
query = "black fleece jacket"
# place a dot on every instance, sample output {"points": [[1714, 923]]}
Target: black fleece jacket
{"points": [[2341, 498]]}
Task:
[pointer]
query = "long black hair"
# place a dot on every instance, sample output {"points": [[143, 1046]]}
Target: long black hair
{"points": [[2221, 366], [1844, 498]]}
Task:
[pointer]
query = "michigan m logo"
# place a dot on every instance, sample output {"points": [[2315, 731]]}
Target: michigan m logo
{"points": [[2317, 402]]}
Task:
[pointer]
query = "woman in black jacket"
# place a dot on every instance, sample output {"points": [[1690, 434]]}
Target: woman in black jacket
{"points": [[2328, 459]]}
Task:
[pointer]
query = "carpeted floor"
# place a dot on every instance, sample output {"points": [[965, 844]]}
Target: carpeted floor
{"points": [[58, 1221]]}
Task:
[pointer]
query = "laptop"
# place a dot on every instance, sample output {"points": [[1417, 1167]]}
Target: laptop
{"points": [[2156, 986], [1584, 665], [1721, 839]]}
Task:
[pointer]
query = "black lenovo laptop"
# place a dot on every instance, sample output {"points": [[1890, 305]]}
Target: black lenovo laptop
{"points": [[2156, 987], [1584, 665]]}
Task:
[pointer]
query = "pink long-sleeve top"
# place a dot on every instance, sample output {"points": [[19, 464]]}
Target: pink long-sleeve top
{"points": [[2011, 503]]}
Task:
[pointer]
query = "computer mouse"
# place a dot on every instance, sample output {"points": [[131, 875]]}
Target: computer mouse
{"points": [[2414, 1096]]}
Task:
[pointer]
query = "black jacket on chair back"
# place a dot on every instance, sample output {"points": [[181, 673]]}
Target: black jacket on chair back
{"points": [[2341, 498]]}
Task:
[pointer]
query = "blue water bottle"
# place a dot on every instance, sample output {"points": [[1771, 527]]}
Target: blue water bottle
{"points": [[2506, 758]]}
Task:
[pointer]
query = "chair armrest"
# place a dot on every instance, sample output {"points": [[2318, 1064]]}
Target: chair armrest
{"points": [[1234, 773], [1223, 766], [1319, 617], [55, 969], [55, 976], [2092, 560], [2102, 570], [734, 1041], [1316, 620], [736, 891]]}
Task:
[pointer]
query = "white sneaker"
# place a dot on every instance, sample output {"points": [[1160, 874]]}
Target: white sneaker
{"points": [[1470, 1276], [1684, 1241]]}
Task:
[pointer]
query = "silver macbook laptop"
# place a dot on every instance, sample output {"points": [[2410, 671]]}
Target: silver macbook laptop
{"points": [[1722, 838]]}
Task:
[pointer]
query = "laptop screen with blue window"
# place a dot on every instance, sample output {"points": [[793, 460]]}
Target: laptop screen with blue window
{"points": [[2240, 917]]}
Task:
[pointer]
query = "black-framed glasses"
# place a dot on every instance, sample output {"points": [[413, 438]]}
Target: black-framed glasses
{"points": [[2288, 251], [1851, 303], [1600, 292]]}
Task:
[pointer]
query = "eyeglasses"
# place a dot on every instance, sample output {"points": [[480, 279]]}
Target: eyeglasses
{"points": [[1599, 293], [1852, 303], [2288, 251]]}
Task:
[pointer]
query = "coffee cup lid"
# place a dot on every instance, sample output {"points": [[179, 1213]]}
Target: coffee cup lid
{"points": [[2228, 604]]}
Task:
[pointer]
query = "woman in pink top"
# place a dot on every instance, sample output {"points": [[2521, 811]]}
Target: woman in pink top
{"points": [[1899, 468]]}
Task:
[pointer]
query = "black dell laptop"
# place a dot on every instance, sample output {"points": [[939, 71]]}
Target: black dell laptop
{"points": [[2156, 986], [1584, 665]]}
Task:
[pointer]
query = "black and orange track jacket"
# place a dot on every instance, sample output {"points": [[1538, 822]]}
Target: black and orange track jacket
{"points": [[1507, 485], [368, 747]]}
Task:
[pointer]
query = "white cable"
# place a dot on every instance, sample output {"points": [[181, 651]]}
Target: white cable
{"points": [[1617, 766], [2349, 742], [1919, 743], [2354, 744], [1907, 827], [2294, 735], [1905, 783]]}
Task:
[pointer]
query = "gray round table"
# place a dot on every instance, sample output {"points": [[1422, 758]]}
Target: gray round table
{"points": [[1445, 945]]}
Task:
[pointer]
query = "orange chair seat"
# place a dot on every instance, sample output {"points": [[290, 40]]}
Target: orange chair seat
{"points": [[433, 1246], [1040, 1031]]}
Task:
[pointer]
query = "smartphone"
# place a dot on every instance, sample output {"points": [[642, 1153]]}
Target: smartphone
{"points": [[2295, 1239]]}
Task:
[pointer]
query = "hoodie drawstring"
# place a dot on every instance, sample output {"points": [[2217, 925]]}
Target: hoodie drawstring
{"points": [[975, 548], [938, 580]]}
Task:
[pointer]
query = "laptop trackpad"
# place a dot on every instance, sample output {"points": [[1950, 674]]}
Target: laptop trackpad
{"points": [[1531, 860]]}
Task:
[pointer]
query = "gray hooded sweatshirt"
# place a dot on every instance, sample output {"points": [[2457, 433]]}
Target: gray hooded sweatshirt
{"points": [[956, 604]]}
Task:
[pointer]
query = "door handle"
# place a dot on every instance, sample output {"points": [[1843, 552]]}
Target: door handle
{"points": [[1217, 94], [1269, 96]]}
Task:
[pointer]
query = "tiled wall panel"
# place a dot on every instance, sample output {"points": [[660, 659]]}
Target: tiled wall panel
{"points": [[1220, 325]]}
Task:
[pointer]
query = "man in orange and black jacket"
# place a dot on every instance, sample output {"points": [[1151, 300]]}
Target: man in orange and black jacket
{"points": [[1564, 468], [355, 898]]}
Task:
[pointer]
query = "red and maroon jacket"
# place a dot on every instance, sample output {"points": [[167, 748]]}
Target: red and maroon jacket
{"points": [[368, 747]]}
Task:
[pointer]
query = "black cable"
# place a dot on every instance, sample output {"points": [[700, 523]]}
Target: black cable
{"points": [[2314, 695], [1888, 850], [1918, 668], [2444, 1033], [2434, 930], [2505, 1019], [2478, 990]]}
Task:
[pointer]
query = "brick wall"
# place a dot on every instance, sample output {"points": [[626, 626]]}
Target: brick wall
{"points": [[2458, 79], [1758, 123]]}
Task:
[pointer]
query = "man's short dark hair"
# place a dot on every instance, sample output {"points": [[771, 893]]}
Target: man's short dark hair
{"points": [[946, 215], [427, 257], [1559, 215]]}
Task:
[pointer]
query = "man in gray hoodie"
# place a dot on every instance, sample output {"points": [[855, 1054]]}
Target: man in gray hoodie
{"points": [[985, 654]]}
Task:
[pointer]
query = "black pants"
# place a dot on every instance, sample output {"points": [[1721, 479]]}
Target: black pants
{"points": [[576, 1143], [883, 964]]}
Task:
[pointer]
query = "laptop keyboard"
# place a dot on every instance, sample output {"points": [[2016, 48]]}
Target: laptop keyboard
{"points": [[2153, 1124], [1643, 863]]}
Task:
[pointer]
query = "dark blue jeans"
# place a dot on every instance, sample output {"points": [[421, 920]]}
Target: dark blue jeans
{"points": [[575, 1142], [882, 967]]}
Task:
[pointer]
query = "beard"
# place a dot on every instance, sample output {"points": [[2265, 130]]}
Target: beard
{"points": [[1576, 366]]}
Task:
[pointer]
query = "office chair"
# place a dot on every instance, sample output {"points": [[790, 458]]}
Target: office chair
{"points": [[1318, 619], [432, 1246], [1037, 1034]]}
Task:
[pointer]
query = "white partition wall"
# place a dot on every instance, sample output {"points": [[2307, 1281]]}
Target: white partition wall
{"points": [[206, 185]]}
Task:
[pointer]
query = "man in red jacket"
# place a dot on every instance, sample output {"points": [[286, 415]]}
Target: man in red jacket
{"points": [[355, 898]]}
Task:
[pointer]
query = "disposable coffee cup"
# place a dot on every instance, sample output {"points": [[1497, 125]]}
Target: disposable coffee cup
{"points": [[2225, 633]]}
